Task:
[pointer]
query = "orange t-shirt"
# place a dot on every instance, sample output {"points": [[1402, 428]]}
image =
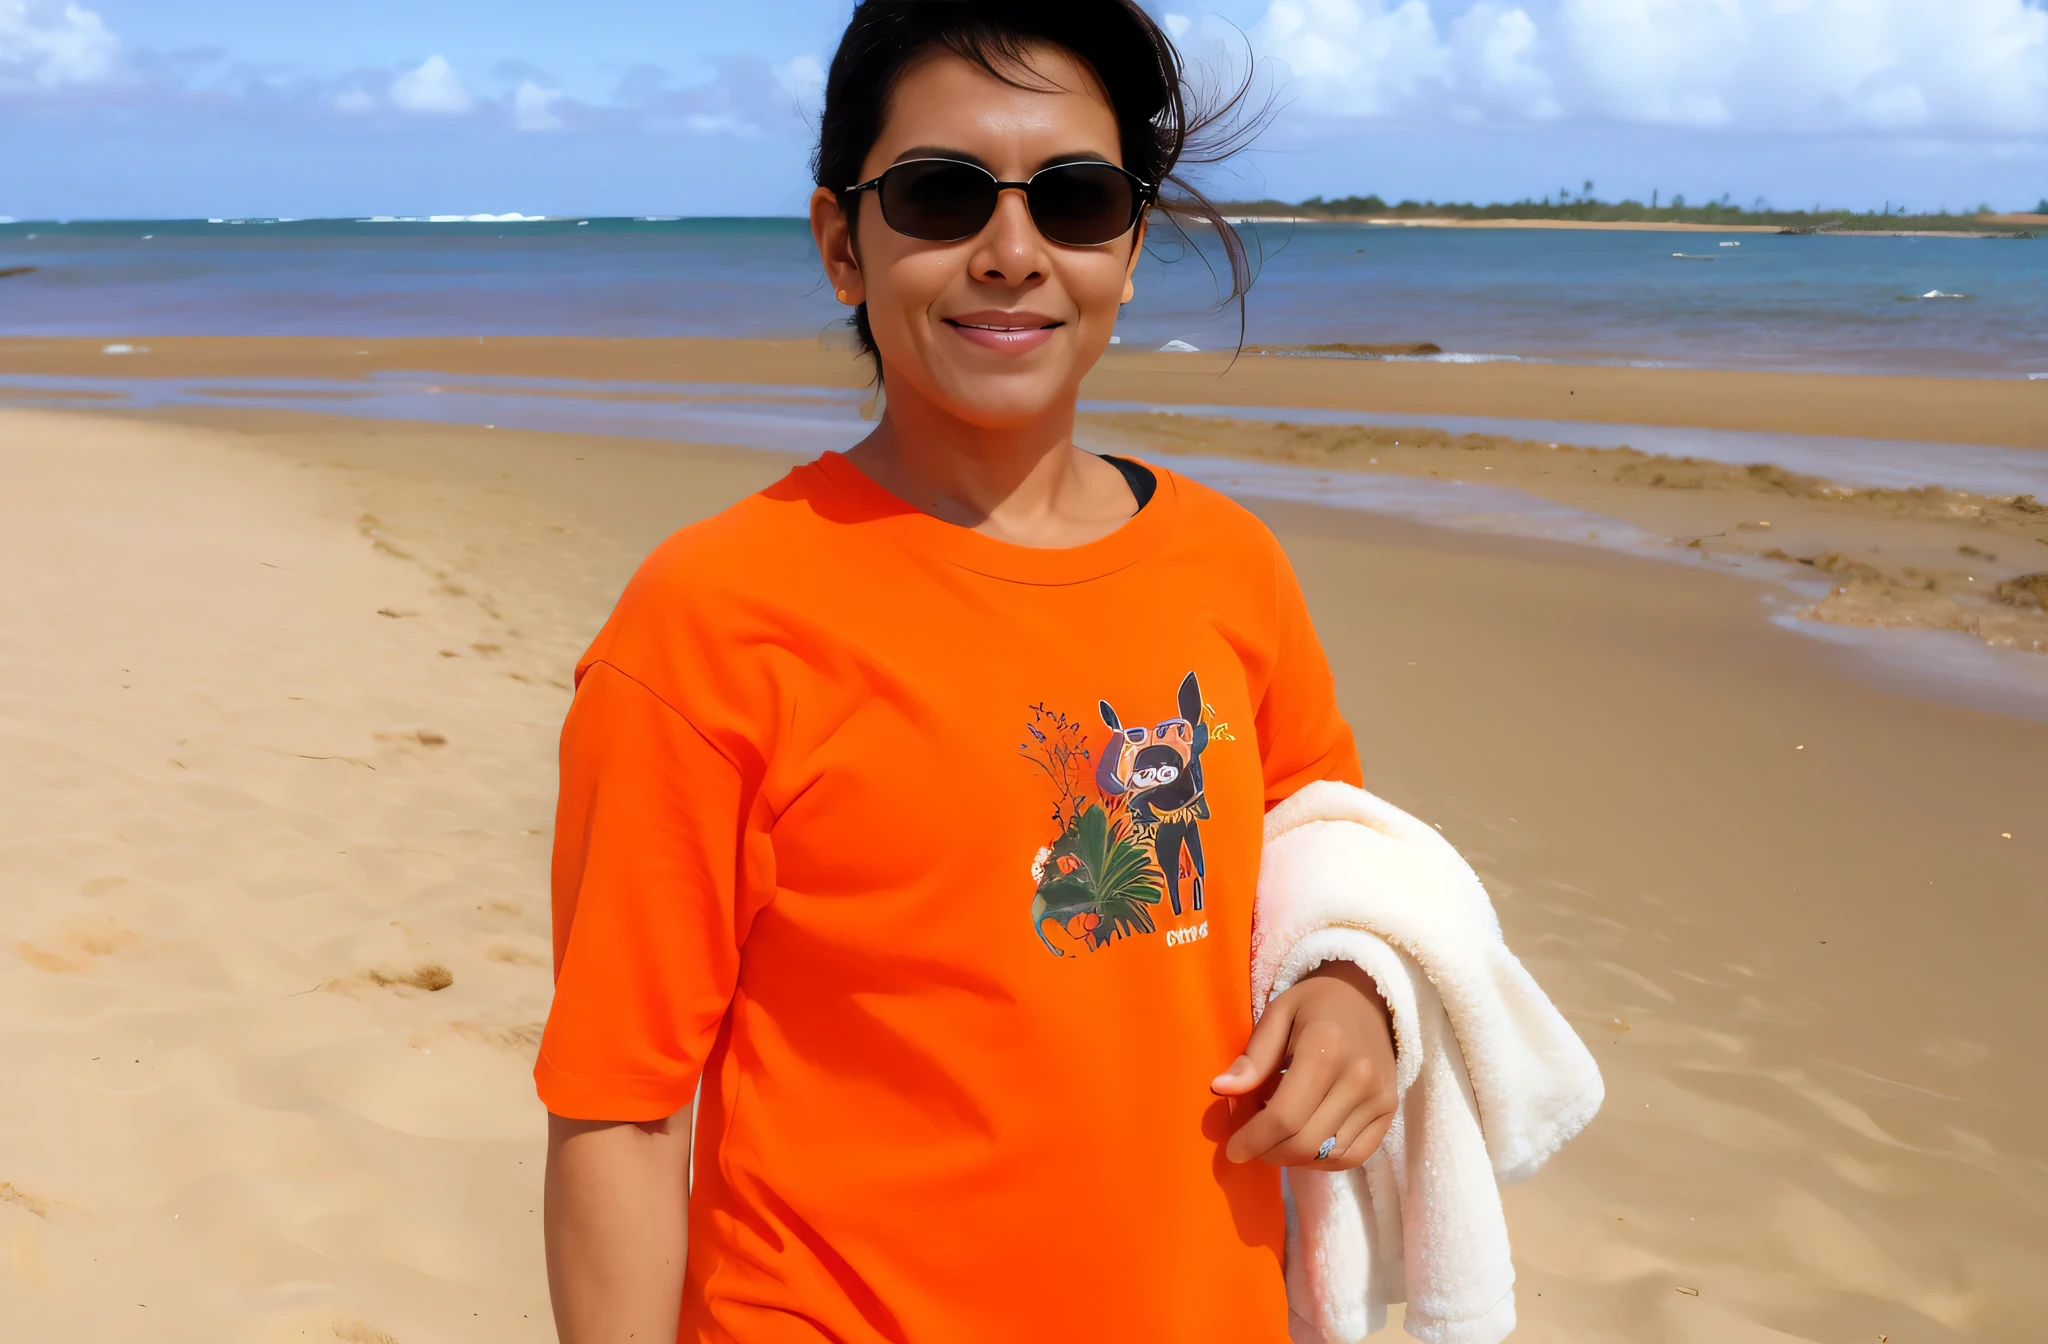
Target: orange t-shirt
{"points": [[935, 857]]}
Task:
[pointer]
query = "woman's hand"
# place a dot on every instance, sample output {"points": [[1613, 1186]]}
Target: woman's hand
{"points": [[1330, 1040]]}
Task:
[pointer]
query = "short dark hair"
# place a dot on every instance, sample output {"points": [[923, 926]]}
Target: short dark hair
{"points": [[1140, 69]]}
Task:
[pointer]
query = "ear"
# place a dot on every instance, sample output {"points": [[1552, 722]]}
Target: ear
{"points": [[1191, 698], [833, 233], [1109, 716], [1131, 271]]}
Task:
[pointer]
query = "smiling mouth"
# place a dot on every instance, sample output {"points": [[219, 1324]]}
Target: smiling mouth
{"points": [[1002, 328], [1009, 333]]}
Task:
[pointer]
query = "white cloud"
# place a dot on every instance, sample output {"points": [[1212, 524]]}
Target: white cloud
{"points": [[355, 100], [1814, 64], [533, 107], [1356, 57], [45, 44], [701, 123], [433, 89], [1973, 66], [803, 79], [746, 97], [1177, 25], [1498, 56]]}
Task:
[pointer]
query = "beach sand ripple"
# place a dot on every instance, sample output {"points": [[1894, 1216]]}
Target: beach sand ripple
{"points": [[277, 876]]}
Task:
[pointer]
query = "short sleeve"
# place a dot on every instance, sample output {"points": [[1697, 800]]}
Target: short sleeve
{"points": [[648, 921], [1303, 737]]}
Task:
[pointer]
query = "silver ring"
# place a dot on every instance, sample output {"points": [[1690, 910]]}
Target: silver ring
{"points": [[1329, 1146]]}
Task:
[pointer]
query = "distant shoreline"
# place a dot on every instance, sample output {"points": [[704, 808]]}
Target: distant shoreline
{"points": [[1452, 222], [1635, 225], [1676, 217]]}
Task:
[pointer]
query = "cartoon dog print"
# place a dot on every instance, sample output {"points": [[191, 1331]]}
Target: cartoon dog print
{"points": [[1158, 770]]}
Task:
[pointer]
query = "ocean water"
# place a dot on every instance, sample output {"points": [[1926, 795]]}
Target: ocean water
{"points": [[1947, 306]]}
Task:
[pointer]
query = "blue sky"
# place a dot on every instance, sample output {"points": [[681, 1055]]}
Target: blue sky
{"points": [[154, 108]]}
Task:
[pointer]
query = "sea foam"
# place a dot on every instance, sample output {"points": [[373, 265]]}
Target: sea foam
{"points": [[514, 218]]}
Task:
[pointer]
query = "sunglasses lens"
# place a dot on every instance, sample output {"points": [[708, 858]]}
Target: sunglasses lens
{"points": [[936, 201], [1082, 204]]}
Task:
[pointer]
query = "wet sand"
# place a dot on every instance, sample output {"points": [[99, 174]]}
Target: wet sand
{"points": [[282, 693], [2011, 412], [1929, 558]]}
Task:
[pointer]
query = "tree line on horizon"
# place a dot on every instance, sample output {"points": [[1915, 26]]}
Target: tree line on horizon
{"points": [[1584, 206]]}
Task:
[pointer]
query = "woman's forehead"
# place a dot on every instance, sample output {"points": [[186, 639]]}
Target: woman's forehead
{"points": [[1054, 110]]}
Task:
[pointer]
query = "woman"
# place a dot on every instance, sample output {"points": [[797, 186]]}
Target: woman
{"points": [[915, 803]]}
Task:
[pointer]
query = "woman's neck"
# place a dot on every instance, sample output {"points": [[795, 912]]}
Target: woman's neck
{"points": [[1025, 484]]}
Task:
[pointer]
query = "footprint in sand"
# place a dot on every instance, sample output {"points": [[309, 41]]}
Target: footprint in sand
{"points": [[356, 1330], [429, 976], [10, 1193], [78, 946], [425, 737], [521, 1038], [22, 1253]]}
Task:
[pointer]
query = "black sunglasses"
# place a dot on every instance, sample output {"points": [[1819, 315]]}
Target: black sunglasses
{"points": [[945, 200]]}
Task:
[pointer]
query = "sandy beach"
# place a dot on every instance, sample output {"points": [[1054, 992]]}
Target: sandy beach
{"points": [[282, 698]]}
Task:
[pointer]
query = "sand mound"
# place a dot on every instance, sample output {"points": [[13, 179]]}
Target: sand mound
{"points": [[1870, 595], [2027, 591]]}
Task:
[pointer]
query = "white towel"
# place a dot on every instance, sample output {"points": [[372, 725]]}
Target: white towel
{"points": [[1491, 1078]]}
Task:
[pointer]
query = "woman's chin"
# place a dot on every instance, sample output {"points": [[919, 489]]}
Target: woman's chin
{"points": [[1007, 398]]}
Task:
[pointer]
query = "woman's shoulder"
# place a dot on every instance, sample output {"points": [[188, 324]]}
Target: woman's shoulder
{"points": [[1214, 502], [740, 550], [1224, 526], [716, 588]]}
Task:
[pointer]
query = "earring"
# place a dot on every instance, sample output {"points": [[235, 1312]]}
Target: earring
{"points": [[840, 294]]}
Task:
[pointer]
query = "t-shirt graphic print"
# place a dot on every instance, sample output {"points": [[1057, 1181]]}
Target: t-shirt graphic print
{"points": [[1129, 828]]}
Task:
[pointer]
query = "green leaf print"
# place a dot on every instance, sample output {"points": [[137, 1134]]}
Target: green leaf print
{"points": [[1097, 882]]}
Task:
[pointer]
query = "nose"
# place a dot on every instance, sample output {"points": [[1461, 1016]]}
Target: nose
{"points": [[1009, 250]]}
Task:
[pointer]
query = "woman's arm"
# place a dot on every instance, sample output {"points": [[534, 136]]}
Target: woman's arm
{"points": [[617, 1226]]}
